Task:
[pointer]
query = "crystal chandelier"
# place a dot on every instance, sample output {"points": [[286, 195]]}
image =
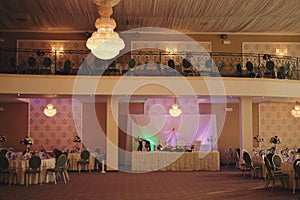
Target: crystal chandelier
{"points": [[105, 43], [50, 111], [296, 110], [175, 111]]}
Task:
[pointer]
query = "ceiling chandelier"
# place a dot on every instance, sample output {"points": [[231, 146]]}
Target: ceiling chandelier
{"points": [[50, 111], [175, 111], [105, 43], [296, 110]]}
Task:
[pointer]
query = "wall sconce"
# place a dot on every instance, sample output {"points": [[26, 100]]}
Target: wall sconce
{"points": [[50, 111], [175, 111], [296, 110], [281, 52]]}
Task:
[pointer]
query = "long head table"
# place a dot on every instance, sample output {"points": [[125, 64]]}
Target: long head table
{"points": [[175, 161]]}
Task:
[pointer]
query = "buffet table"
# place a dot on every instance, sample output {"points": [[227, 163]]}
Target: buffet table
{"points": [[74, 157], [175, 161], [21, 165]]}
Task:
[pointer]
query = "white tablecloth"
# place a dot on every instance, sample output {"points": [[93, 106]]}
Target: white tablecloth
{"points": [[22, 165], [287, 168], [175, 161]]}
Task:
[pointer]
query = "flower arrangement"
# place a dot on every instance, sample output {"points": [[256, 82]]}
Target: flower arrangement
{"points": [[2, 138], [77, 139], [258, 138], [275, 140], [27, 141]]}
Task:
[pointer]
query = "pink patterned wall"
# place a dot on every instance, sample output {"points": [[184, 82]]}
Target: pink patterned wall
{"points": [[57, 131], [276, 119]]}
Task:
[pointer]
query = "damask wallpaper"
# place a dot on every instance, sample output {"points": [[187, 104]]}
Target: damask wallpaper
{"points": [[58, 131], [276, 119]]}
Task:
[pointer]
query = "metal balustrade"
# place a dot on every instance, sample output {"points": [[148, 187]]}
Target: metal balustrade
{"points": [[149, 63]]}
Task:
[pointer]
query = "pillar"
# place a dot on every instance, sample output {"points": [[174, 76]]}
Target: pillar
{"points": [[112, 107]]}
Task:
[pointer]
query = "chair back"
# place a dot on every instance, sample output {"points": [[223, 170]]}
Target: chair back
{"points": [[3, 152], [268, 167], [4, 163], [276, 160], [269, 156], [35, 162], [296, 166], [61, 161], [238, 153], [230, 152], [247, 158], [85, 155], [57, 153]]}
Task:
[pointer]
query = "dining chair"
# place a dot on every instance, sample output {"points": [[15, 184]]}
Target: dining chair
{"points": [[84, 160], [276, 160], [272, 176], [269, 156], [34, 168], [5, 169], [249, 166], [59, 169], [230, 156], [296, 166], [237, 154], [3, 152]]}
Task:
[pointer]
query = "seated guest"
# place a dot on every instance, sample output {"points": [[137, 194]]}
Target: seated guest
{"points": [[144, 145]]}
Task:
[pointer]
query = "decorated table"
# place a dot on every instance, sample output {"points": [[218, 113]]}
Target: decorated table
{"points": [[287, 167], [74, 157], [175, 161], [22, 164]]}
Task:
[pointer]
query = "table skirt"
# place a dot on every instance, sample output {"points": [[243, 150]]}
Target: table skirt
{"points": [[175, 161]]}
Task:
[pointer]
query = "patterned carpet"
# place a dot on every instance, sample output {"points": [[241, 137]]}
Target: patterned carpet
{"points": [[226, 184]]}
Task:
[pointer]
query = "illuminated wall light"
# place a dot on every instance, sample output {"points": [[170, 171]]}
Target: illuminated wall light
{"points": [[50, 111], [171, 50], [175, 111], [296, 110], [281, 52]]}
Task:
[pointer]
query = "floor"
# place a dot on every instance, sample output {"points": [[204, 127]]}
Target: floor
{"points": [[225, 184]]}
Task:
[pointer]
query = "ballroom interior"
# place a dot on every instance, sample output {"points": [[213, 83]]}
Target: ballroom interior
{"points": [[241, 81]]}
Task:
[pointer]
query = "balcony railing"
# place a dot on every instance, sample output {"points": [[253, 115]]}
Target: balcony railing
{"points": [[150, 63]]}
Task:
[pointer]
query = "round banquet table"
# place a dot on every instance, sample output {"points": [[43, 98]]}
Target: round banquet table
{"points": [[21, 165]]}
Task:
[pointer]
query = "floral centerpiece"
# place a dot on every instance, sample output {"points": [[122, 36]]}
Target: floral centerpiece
{"points": [[258, 138], [275, 140], [2, 138], [76, 139], [27, 141]]}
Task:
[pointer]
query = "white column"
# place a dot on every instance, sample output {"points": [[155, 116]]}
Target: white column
{"points": [[246, 125], [112, 107]]}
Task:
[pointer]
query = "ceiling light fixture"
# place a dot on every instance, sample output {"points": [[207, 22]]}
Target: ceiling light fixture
{"points": [[50, 111], [175, 111], [296, 110], [105, 43]]}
